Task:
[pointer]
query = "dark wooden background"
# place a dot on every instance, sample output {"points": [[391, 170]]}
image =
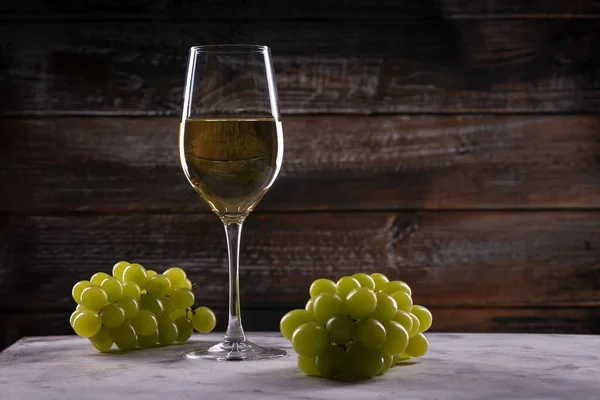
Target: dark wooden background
{"points": [[453, 144]]}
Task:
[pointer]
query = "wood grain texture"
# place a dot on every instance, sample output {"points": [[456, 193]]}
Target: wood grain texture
{"points": [[132, 164], [336, 9], [517, 259], [359, 67]]}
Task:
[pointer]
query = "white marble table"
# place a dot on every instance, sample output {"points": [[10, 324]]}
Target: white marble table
{"points": [[458, 366]]}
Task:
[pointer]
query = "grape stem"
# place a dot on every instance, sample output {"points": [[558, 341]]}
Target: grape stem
{"points": [[233, 232]]}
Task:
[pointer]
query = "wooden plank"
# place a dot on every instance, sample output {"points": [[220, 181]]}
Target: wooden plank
{"points": [[132, 164], [359, 67], [336, 9], [457, 259]]}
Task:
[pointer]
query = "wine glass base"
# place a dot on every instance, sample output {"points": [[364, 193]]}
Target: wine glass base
{"points": [[234, 351]]}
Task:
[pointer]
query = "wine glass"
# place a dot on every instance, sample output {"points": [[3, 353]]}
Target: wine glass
{"points": [[231, 150]]}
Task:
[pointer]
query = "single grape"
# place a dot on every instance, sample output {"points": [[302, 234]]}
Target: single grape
{"points": [[150, 273], [293, 320], [394, 286], [396, 339], [94, 298], [137, 274], [129, 305], [331, 363], [87, 323], [310, 305], [102, 340], [327, 305], [380, 281], [78, 289], [112, 315], [148, 341], [401, 357], [185, 328], [188, 284], [424, 316], [167, 332], [204, 319], [365, 280], [417, 346], [98, 277], [340, 329], [73, 316], [360, 303], [132, 289], [388, 361], [177, 277], [113, 288], [345, 285], [119, 268], [159, 286], [310, 340], [386, 307], [176, 314], [403, 300], [370, 333], [144, 323], [124, 336], [181, 298], [363, 363], [416, 325], [166, 302], [404, 319], [151, 303], [308, 365], [321, 286]]}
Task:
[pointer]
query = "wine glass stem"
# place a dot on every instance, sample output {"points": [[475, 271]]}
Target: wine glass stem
{"points": [[233, 232]]}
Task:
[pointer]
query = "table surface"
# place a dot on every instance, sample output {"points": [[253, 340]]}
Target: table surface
{"points": [[458, 366]]}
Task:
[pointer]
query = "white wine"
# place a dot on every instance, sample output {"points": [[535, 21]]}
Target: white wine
{"points": [[231, 162]]}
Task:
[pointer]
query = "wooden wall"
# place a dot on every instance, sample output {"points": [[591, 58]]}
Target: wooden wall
{"points": [[453, 144]]}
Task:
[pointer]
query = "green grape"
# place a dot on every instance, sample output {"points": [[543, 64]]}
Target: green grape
{"points": [[148, 341], [166, 302], [310, 305], [365, 280], [394, 286], [388, 361], [403, 300], [94, 298], [404, 319], [204, 319], [188, 284], [332, 362], [327, 305], [380, 281], [113, 288], [124, 336], [177, 277], [386, 307], [293, 320], [370, 333], [345, 285], [424, 317], [98, 277], [78, 289], [401, 357], [144, 323], [129, 305], [102, 340], [151, 303], [119, 268], [87, 323], [308, 365], [340, 329], [137, 274], [360, 303], [176, 314], [159, 286], [417, 345], [310, 340], [416, 325], [167, 332], [185, 328], [396, 339], [181, 298], [150, 273], [112, 315], [73, 316], [131, 289], [363, 363], [80, 307], [321, 286]]}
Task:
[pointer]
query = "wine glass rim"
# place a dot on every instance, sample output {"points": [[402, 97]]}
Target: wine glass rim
{"points": [[230, 48]]}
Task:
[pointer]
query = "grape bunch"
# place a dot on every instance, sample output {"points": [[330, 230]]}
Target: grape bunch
{"points": [[136, 307], [357, 327]]}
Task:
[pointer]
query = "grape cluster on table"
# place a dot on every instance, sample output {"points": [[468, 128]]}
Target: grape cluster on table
{"points": [[357, 327], [136, 307]]}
